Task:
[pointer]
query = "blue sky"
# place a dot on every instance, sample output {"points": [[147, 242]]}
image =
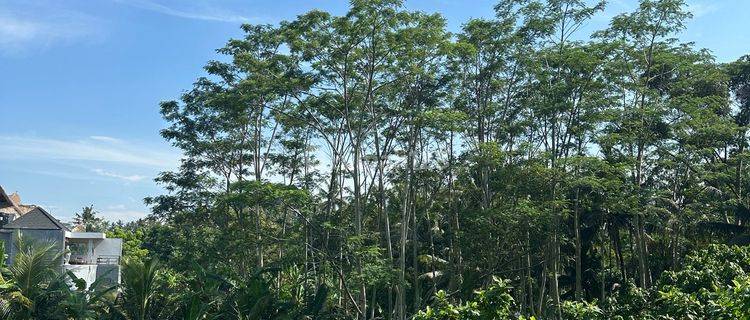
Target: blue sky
{"points": [[80, 83]]}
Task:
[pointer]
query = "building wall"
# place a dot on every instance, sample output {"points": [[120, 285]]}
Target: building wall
{"points": [[108, 247], [109, 275], [42, 237], [85, 272], [88, 272]]}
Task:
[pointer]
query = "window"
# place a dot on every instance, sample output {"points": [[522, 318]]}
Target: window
{"points": [[78, 249]]}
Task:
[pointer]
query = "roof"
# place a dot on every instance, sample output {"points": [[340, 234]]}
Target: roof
{"points": [[85, 235], [7, 203], [15, 198], [12, 204], [37, 218]]}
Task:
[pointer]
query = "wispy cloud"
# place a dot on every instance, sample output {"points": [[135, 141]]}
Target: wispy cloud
{"points": [[116, 207], [94, 150], [62, 174], [129, 178], [123, 214], [27, 26], [197, 11], [700, 9], [105, 139], [112, 213]]}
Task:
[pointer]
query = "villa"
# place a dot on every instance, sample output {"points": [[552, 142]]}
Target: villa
{"points": [[88, 255]]}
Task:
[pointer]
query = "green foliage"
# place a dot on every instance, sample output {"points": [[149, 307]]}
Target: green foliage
{"points": [[370, 164], [727, 300], [34, 275], [141, 284], [710, 285], [88, 219], [733, 302], [132, 242], [494, 302], [712, 267], [582, 310], [87, 301]]}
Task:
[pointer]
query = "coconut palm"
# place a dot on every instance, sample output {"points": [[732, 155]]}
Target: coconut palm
{"points": [[140, 287], [35, 269], [88, 219], [87, 302]]}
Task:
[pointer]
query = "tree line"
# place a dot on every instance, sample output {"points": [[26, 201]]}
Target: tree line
{"points": [[374, 165]]}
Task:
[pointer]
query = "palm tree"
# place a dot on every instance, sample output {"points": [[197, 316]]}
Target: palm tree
{"points": [[87, 218], [140, 286], [35, 269], [9, 293], [87, 303]]}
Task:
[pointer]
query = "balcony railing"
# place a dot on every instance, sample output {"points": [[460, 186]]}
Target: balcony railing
{"points": [[104, 259], [101, 259]]}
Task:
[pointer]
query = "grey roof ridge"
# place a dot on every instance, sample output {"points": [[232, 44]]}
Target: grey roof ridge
{"points": [[53, 219], [28, 215]]}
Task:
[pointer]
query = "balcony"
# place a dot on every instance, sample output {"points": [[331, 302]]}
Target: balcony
{"points": [[97, 260], [91, 257]]}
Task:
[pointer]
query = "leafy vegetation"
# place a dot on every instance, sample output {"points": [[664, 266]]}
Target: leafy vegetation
{"points": [[375, 166]]}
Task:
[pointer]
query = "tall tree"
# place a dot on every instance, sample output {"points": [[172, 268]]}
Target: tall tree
{"points": [[643, 41]]}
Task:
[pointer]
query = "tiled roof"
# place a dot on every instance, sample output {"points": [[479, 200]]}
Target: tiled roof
{"points": [[15, 198], [37, 218], [25, 208], [11, 204]]}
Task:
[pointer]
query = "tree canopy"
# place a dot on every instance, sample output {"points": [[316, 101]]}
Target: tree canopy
{"points": [[374, 165]]}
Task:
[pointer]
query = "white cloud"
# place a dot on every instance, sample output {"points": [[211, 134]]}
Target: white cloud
{"points": [[54, 173], [700, 9], [204, 12], [29, 26], [32, 148], [125, 215], [112, 213], [129, 178], [105, 139]]}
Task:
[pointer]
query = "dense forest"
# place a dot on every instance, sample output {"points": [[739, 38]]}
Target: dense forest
{"points": [[376, 166]]}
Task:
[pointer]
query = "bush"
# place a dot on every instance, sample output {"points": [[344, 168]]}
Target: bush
{"points": [[732, 302], [495, 302], [582, 310], [713, 283]]}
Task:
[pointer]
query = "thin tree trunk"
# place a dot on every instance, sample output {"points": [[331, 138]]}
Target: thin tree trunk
{"points": [[542, 286], [405, 223], [577, 230], [415, 255]]}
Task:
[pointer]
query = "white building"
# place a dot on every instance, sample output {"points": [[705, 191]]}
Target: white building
{"points": [[88, 255]]}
